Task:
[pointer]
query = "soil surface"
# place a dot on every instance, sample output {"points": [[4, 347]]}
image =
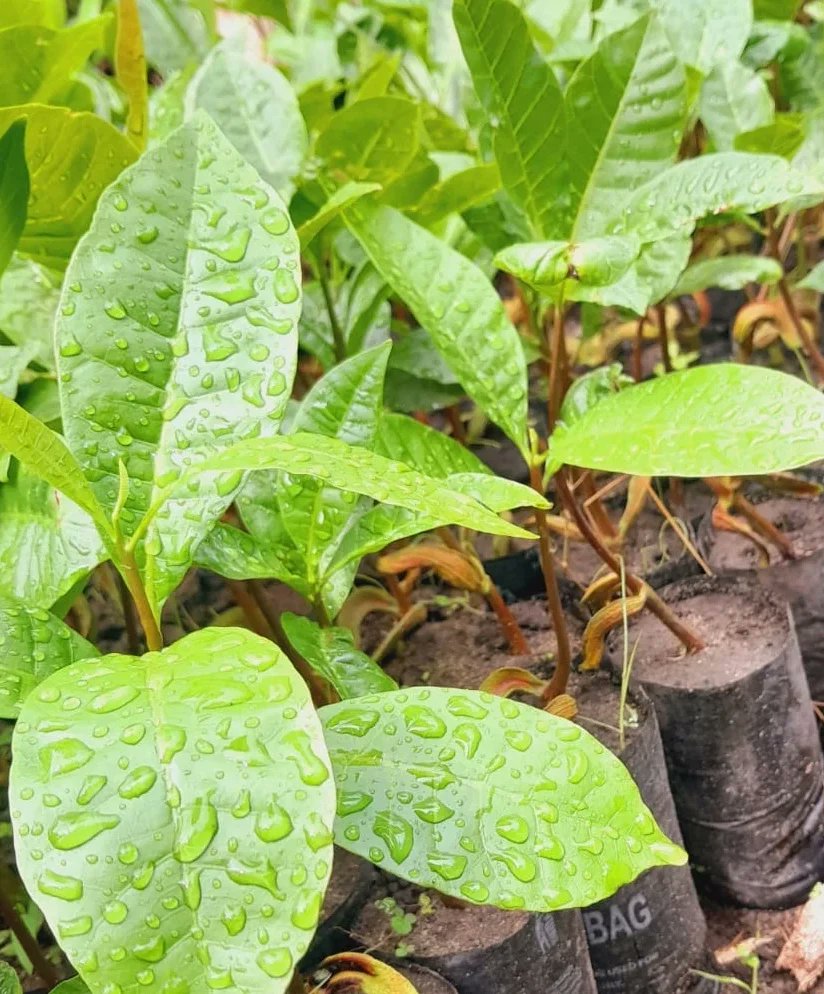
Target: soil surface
{"points": [[802, 521], [427, 982], [740, 634]]}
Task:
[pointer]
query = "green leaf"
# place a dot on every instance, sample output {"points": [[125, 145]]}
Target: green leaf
{"points": [[545, 265], [257, 109], [720, 420], [236, 555], [343, 197], [38, 63], [45, 454], [423, 448], [706, 32], [630, 131], [179, 335], [130, 69], [14, 190], [34, 645], [13, 360], [28, 302], [351, 468], [47, 543], [93, 154], [814, 280], [730, 272], [570, 830], [194, 776], [734, 99], [332, 654], [455, 302], [174, 34], [457, 193], [49, 13], [520, 93], [672, 203], [784, 136], [73, 986], [371, 141], [9, 981]]}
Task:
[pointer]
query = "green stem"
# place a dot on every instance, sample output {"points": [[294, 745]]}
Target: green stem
{"points": [[337, 331]]}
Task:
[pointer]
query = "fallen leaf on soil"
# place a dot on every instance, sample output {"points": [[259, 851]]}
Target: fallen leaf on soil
{"points": [[803, 953]]}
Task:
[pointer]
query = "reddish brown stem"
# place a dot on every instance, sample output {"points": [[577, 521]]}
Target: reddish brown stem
{"points": [[685, 635], [663, 337], [809, 345], [397, 591], [254, 616], [563, 665], [555, 371], [509, 626]]}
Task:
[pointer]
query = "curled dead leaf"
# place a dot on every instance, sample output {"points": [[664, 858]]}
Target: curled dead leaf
{"points": [[357, 973], [507, 680], [453, 566], [603, 621]]}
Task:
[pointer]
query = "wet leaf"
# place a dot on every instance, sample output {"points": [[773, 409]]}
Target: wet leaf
{"points": [[570, 830], [95, 153], [719, 420], [47, 543], [28, 302], [708, 31], [235, 554], [343, 197], [33, 645], [179, 335], [198, 780], [174, 34], [456, 304], [423, 448], [734, 99], [38, 63], [519, 92], [9, 981], [256, 108], [730, 272], [14, 189], [13, 360], [331, 653]]}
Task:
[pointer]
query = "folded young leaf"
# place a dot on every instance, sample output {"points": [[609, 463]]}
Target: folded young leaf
{"points": [[94, 154], [570, 830], [343, 197], [179, 776], [34, 645], [455, 302], [14, 189], [256, 108], [598, 262], [348, 467], [720, 420], [521, 95], [730, 272], [332, 654], [179, 336]]}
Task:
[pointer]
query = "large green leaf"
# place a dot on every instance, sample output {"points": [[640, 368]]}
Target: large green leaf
{"points": [[706, 32], [425, 789], [521, 95], [38, 63], [235, 554], [28, 302], [730, 272], [182, 333], [349, 467], [175, 34], [455, 302], [93, 153], [458, 192], [47, 543], [177, 832], [33, 645], [14, 189], [50, 13], [734, 99], [256, 109], [331, 653], [46, 455], [722, 420], [672, 202], [628, 105]]}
